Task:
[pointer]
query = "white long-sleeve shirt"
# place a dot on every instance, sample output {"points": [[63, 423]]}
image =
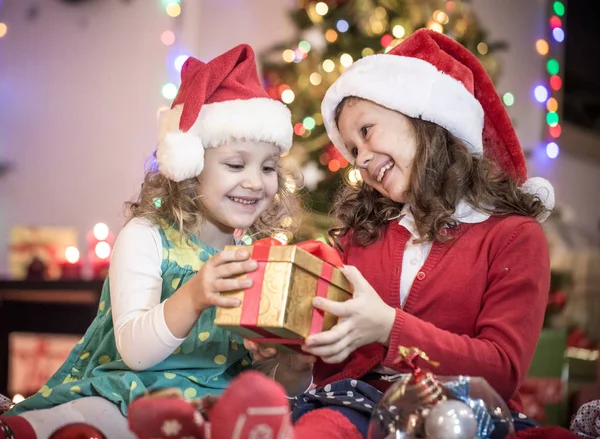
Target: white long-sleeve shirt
{"points": [[142, 336]]}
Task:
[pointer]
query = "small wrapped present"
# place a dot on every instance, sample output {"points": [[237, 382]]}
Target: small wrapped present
{"points": [[277, 310]]}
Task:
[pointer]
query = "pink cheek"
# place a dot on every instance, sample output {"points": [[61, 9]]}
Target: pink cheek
{"points": [[365, 176]]}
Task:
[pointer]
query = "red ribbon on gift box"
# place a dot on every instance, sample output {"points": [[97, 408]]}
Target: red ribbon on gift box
{"points": [[250, 308]]}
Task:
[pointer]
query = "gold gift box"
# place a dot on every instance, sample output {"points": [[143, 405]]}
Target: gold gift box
{"points": [[281, 305]]}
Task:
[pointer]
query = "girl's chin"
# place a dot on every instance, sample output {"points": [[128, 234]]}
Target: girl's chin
{"points": [[397, 196]]}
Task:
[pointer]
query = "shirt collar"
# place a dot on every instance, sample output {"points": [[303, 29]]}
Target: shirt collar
{"points": [[463, 213], [407, 220]]}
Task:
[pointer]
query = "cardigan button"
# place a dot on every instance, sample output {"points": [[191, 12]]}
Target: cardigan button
{"points": [[420, 275]]}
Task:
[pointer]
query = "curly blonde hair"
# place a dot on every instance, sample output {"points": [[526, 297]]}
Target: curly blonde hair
{"points": [[444, 172], [162, 200]]}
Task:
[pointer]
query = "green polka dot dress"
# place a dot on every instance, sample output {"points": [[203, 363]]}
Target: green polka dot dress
{"points": [[208, 359]]}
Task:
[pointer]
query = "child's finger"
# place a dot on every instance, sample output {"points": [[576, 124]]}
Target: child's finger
{"points": [[328, 350], [229, 256], [257, 357], [326, 338], [250, 345], [223, 285], [224, 301], [230, 269], [354, 276], [339, 309]]}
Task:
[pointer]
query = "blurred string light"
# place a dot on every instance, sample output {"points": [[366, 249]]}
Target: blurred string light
{"points": [[288, 96], [167, 38], [179, 61], [435, 26], [386, 40], [328, 65], [175, 59], [540, 93], [548, 94], [346, 60], [3, 29], [508, 99], [309, 123], [304, 46], [298, 54], [354, 176], [367, 51], [482, 48], [552, 150], [321, 8], [331, 36], [441, 17], [398, 31], [342, 26]]}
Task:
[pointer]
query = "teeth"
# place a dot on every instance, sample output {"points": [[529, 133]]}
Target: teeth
{"points": [[242, 201], [383, 171]]}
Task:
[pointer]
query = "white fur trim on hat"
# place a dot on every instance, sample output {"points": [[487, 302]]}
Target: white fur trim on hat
{"points": [[545, 192], [413, 87], [180, 156], [258, 119]]}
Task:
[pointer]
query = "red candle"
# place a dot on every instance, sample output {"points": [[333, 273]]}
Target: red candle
{"points": [[100, 248], [101, 261], [71, 266]]}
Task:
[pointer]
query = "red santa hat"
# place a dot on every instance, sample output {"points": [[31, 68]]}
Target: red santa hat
{"points": [[432, 77], [218, 101]]}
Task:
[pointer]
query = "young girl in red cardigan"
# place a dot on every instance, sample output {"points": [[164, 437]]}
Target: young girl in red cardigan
{"points": [[442, 237], [441, 240]]}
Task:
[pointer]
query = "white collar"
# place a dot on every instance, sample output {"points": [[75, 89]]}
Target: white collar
{"points": [[407, 220], [463, 213]]}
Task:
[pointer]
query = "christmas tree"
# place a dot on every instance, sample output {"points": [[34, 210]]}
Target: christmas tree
{"points": [[331, 35]]}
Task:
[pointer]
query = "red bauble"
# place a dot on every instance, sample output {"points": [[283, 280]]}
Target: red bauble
{"points": [[77, 431]]}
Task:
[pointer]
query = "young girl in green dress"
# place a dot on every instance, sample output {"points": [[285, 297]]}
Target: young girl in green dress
{"points": [[217, 171]]}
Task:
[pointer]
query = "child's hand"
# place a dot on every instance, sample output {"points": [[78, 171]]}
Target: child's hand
{"points": [[259, 352], [214, 278], [294, 362], [364, 319]]}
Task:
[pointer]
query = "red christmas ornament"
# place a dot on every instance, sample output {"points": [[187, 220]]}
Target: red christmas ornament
{"points": [[253, 406], [428, 388], [77, 431], [165, 413]]}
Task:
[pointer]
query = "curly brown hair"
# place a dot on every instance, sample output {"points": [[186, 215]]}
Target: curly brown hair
{"points": [[444, 172], [181, 206]]}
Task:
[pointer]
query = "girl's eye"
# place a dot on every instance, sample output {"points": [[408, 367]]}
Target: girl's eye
{"points": [[354, 152], [235, 167], [365, 130], [268, 169]]}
